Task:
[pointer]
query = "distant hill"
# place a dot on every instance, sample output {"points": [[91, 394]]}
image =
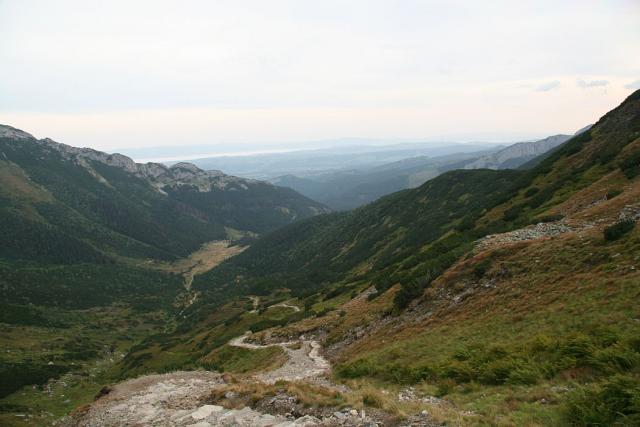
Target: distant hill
{"points": [[308, 163], [348, 189], [515, 155]]}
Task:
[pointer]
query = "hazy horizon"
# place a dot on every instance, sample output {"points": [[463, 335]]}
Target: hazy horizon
{"points": [[125, 75]]}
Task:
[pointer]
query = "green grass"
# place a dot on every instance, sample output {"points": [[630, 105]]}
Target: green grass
{"points": [[86, 348], [241, 360]]}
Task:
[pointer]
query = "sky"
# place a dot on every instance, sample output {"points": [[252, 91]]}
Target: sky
{"points": [[245, 74]]}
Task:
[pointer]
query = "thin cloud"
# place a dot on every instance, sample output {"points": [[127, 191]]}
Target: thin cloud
{"points": [[592, 83], [633, 85], [548, 86]]}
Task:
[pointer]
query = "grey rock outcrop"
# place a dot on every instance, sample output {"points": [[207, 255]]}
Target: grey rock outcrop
{"points": [[157, 174], [517, 154]]}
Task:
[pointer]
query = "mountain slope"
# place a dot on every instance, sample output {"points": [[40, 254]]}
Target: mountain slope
{"points": [[348, 246], [102, 203]]}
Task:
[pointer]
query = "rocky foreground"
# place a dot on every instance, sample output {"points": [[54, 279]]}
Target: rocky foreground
{"points": [[189, 398]]}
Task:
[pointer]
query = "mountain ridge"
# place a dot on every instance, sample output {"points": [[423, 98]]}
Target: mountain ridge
{"points": [[518, 154], [114, 191]]}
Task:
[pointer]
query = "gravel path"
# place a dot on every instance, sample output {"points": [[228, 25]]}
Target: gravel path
{"points": [[304, 360], [282, 304], [176, 399], [173, 400]]}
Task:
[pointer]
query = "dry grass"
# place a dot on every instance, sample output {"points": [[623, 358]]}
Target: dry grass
{"points": [[250, 393]]}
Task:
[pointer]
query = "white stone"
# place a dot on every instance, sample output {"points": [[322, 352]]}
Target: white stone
{"points": [[204, 411]]}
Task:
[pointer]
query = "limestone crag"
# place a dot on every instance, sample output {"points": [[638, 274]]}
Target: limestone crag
{"points": [[517, 154], [157, 174]]}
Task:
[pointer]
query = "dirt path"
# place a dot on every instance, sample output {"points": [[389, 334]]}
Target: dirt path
{"points": [[304, 360], [255, 301], [283, 304]]}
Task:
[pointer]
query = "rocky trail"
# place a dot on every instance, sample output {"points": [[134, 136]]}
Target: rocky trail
{"points": [[304, 360], [532, 232], [184, 398]]}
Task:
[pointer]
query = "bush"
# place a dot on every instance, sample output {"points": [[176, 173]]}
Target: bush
{"points": [[578, 347], [632, 171], [523, 375], [481, 268], [550, 218], [356, 369], [513, 212], [466, 223], [631, 165], [372, 400], [613, 193], [616, 358], [616, 402], [617, 230], [531, 191], [459, 371], [445, 387], [496, 372]]}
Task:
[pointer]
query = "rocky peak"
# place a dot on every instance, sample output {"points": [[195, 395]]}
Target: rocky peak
{"points": [[157, 174], [186, 166], [13, 133]]}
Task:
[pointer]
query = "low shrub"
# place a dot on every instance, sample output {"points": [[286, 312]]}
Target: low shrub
{"points": [[513, 212], [617, 230], [481, 268], [631, 165], [445, 387], [549, 218], [531, 191], [496, 372], [616, 402], [613, 193]]}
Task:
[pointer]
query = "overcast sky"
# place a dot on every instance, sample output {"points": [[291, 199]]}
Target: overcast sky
{"points": [[143, 73]]}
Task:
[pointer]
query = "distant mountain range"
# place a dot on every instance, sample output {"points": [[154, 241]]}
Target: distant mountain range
{"points": [[348, 189], [517, 154], [318, 162]]}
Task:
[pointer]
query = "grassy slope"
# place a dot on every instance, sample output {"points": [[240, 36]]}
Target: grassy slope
{"points": [[548, 313]]}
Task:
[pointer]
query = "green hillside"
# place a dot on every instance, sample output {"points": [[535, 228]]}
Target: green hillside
{"points": [[382, 242], [96, 208]]}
